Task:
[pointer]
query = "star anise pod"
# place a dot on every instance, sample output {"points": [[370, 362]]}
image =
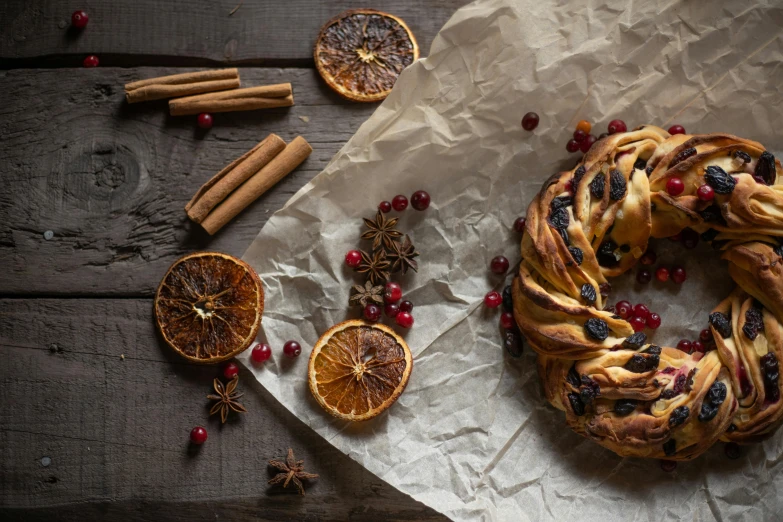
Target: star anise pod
{"points": [[368, 293], [381, 230], [402, 256], [375, 268], [227, 398], [291, 471]]}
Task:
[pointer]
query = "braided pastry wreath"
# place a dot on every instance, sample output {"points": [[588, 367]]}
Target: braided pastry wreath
{"points": [[593, 223]]}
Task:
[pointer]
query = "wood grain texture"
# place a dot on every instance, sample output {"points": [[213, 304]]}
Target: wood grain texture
{"points": [[195, 32], [88, 384], [111, 180]]}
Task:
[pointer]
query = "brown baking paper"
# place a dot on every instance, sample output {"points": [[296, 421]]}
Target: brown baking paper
{"points": [[472, 436]]}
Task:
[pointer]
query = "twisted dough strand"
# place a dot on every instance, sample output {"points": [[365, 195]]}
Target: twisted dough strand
{"points": [[592, 223]]}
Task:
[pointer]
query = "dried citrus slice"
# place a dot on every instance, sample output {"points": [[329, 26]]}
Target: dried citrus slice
{"points": [[361, 52], [208, 306], [358, 369]]}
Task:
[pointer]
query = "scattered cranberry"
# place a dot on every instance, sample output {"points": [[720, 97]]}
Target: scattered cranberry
{"points": [[499, 265], [697, 346], [579, 135], [684, 345], [676, 129], [372, 312], [91, 61], [705, 335], [705, 193], [292, 349], [624, 309], [653, 320], [603, 135], [393, 292], [530, 121], [675, 186], [641, 311], [572, 146], [643, 276], [584, 126], [399, 203], [585, 145], [205, 120], [507, 320], [519, 225], [637, 323], [353, 258], [385, 206], [79, 19], [261, 353], [662, 274], [404, 319], [420, 200], [230, 370], [407, 306], [616, 126], [391, 309], [732, 450], [198, 435], [493, 299], [689, 238], [648, 258], [678, 275], [668, 465]]}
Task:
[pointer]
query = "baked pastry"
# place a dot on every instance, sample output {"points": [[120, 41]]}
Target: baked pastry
{"points": [[592, 223]]}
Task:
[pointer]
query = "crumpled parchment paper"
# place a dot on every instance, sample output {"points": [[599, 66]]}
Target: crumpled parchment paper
{"points": [[472, 436]]}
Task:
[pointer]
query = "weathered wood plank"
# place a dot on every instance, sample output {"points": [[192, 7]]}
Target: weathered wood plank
{"points": [[110, 180], [87, 384], [195, 32]]}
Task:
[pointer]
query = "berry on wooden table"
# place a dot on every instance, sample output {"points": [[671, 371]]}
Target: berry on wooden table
{"points": [[519, 225], [662, 274], [623, 309], [584, 126], [372, 312], [420, 200], [643, 276], [230, 370], [684, 345], [572, 145], [616, 126], [493, 299], [393, 292], [697, 346], [406, 306], [530, 121], [385, 206], [678, 275], [205, 120], [91, 61], [676, 129], [261, 353], [391, 309], [399, 203], [198, 435], [641, 311], [587, 143], [79, 19], [507, 320], [404, 319], [353, 258], [705, 335], [637, 323], [675, 186], [653, 321], [499, 265], [292, 349], [579, 135]]}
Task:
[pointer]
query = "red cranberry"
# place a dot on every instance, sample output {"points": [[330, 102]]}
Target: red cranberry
{"points": [[579, 135], [668, 465], [406, 306], [676, 129], [507, 320], [519, 225], [261, 353], [697, 346], [79, 19], [653, 320], [705, 193], [689, 238], [587, 143], [643, 276], [684, 345], [530, 121], [391, 309], [353, 258], [393, 292], [492, 299], [91, 61], [624, 309], [399, 203], [499, 265], [675, 186], [292, 349], [732, 450], [198, 435], [662, 274], [678, 275], [420, 200], [572, 146], [372, 312], [637, 323], [404, 319], [385, 206], [641, 311], [205, 120], [230, 370], [705, 335], [616, 126], [648, 258]]}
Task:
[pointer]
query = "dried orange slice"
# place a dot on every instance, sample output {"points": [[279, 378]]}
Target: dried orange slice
{"points": [[361, 52], [358, 369], [208, 306]]}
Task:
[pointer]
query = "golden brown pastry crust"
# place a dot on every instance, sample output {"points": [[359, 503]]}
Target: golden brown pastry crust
{"points": [[593, 223]]}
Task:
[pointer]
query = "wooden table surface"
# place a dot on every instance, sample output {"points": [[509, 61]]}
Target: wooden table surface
{"points": [[94, 411]]}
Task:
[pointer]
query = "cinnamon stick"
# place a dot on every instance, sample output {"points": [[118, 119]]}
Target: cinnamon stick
{"points": [[251, 98], [224, 182], [291, 157], [183, 84]]}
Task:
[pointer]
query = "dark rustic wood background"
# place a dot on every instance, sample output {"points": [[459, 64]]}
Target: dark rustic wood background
{"points": [[94, 411]]}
